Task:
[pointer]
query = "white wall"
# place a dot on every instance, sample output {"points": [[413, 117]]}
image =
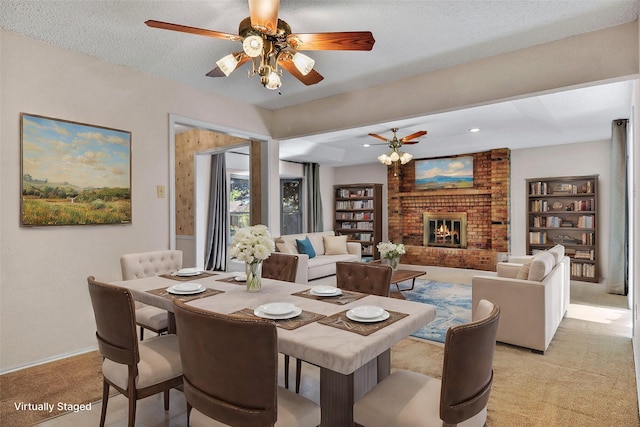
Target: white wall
{"points": [[589, 158], [45, 310]]}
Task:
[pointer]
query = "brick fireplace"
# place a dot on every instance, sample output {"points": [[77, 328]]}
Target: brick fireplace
{"points": [[485, 206]]}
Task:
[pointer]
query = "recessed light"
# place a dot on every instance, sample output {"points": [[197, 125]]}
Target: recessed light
{"points": [[366, 145], [474, 130]]}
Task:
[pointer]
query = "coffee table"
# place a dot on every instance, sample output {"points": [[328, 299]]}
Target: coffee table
{"points": [[402, 275]]}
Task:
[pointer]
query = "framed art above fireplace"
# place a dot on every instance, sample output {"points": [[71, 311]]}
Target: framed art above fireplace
{"points": [[450, 172]]}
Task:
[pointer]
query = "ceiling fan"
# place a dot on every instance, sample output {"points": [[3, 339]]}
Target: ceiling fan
{"points": [[269, 43], [394, 155]]}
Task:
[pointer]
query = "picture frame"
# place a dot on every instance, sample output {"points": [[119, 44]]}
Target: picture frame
{"points": [[73, 173], [444, 173]]}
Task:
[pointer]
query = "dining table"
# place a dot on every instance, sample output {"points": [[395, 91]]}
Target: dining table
{"points": [[353, 355]]}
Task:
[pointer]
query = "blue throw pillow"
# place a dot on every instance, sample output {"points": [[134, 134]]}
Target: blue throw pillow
{"points": [[305, 247]]}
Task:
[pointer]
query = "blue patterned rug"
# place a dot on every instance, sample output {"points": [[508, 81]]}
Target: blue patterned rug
{"points": [[452, 302]]}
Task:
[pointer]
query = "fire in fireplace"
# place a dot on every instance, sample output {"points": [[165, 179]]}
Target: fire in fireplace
{"points": [[447, 229]]}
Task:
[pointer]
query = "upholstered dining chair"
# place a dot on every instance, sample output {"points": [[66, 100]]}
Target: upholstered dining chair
{"points": [[280, 266], [146, 264], [283, 267], [137, 369], [374, 279], [230, 372], [460, 399]]}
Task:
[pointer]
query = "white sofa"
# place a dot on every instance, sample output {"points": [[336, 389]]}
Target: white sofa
{"points": [[329, 249], [533, 295]]}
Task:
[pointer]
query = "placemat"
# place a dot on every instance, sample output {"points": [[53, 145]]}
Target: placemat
{"points": [[345, 298], [341, 321], [165, 294], [232, 280], [304, 318], [202, 275]]}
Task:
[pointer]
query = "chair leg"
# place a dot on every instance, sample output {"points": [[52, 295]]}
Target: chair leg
{"points": [[141, 333], [166, 400], [105, 402], [286, 371], [298, 374], [132, 410]]}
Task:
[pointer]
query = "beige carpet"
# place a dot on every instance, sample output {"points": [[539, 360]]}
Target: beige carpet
{"points": [[74, 380], [585, 378]]}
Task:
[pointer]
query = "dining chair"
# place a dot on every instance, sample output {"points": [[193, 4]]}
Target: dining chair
{"points": [[283, 267], [137, 369], [230, 368], [373, 279], [367, 278], [147, 264], [280, 266], [407, 398]]}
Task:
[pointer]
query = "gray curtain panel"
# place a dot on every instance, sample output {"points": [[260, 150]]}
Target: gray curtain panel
{"points": [[218, 230], [618, 212], [314, 205]]}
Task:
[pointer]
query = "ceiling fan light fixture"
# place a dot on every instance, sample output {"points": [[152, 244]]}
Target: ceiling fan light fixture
{"points": [[405, 157], [303, 63], [227, 64], [253, 45], [272, 81]]}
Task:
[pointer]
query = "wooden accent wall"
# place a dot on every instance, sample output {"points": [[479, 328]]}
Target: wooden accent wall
{"points": [[187, 144], [486, 205]]}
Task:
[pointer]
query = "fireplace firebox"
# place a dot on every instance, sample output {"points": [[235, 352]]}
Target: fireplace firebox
{"points": [[446, 229]]}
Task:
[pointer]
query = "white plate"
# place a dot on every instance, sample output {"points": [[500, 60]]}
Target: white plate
{"points": [[325, 291], [241, 278], [277, 308], [384, 316], [184, 272], [296, 312], [186, 289], [367, 311]]}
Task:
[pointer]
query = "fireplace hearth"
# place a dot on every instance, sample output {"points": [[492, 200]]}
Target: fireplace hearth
{"points": [[445, 229]]}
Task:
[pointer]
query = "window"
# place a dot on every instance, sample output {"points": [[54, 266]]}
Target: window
{"points": [[239, 203], [291, 206]]}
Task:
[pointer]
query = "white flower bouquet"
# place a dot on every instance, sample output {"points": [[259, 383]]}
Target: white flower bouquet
{"points": [[389, 250], [252, 244]]}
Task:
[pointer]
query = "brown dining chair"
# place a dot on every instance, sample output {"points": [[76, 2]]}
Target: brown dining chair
{"points": [[137, 369], [407, 398], [230, 368], [147, 264], [367, 278], [283, 267], [280, 266], [373, 279]]}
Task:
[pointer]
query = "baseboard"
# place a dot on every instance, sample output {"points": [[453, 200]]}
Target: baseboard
{"points": [[49, 360]]}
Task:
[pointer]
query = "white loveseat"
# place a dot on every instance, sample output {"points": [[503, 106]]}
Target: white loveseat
{"points": [[328, 249], [533, 295]]}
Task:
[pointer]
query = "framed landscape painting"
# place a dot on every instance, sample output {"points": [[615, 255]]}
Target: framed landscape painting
{"points": [[451, 172], [74, 173]]}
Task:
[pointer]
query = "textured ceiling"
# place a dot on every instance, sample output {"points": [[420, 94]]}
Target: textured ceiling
{"points": [[412, 37]]}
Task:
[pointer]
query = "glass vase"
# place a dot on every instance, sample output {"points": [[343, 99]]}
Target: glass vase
{"points": [[393, 262], [254, 276]]}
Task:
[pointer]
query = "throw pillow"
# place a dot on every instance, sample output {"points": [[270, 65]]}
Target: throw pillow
{"points": [[286, 247], [317, 242], [305, 247], [523, 273], [541, 265], [335, 245]]}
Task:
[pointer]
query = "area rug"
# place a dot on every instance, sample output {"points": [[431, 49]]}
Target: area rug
{"points": [[452, 302]]}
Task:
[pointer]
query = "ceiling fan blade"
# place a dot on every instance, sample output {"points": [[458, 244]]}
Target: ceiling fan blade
{"points": [[217, 72], [311, 78], [264, 15], [379, 137], [351, 40], [192, 30], [413, 135], [409, 142]]}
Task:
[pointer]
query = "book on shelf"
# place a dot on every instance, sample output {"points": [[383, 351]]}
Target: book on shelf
{"points": [[538, 237]]}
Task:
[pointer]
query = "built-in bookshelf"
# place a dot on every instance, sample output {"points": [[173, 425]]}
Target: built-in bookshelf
{"points": [[358, 215], [564, 210]]}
